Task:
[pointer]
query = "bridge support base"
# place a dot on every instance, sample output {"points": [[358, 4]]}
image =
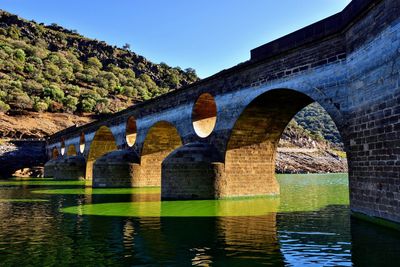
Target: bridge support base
{"points": [[118, 168], [70, 168], [191, 172], [49, 168]]}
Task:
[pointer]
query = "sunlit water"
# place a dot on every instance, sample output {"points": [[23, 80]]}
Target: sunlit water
{"points": [[61, 223]]}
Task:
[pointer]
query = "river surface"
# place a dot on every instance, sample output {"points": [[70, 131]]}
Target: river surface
{"points": [[61, 223]]}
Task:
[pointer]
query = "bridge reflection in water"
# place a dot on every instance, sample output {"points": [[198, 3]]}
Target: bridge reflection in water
{"points": [[308, 223]]}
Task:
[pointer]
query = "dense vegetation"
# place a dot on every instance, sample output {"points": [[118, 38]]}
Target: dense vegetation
{"points": [[49, 68], [318, 123]]}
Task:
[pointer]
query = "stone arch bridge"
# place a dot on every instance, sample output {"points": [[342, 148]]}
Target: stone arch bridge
{"points": [[218, 137]]}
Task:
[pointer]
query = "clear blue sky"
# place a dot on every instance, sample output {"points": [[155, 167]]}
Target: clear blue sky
{"points": [[207, 35]]}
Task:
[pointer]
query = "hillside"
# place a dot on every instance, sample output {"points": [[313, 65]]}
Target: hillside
{"points": [[52, 78], [48, 68]]}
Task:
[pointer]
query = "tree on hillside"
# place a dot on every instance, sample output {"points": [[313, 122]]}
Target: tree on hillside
{"points": [[126, 46]]}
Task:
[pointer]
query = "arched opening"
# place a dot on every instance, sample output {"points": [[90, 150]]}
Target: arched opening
{"points": [[82, 143], [204, 115], [102, 143], [161, 140], [62, 146], [71, 151], [131, 131], [311, 143], [251, 150], [55, 153]]}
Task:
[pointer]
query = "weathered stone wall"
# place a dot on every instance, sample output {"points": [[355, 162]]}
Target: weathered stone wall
{"points": [[193, 171], [69, 168], [373, 115], [116, 169], [49, 168], [374, 134]]}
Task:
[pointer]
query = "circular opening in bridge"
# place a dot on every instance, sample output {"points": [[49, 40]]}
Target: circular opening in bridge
{"points": [[131, 131], [82, 143], [62, 147], [204, 115]]}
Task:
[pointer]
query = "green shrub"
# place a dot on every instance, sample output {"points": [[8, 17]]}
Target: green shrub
{"points": [[67, 74], [2, 95], [107, 80], [88, 104], [129, 73], [102, 106], [93, 62], [119, 90], [130, 91], [54, 93], [3, 31], [90, 94], [19, 55], [4, 107], [52, 71], [73, 90], [35, 60], [7, 49], [70, 103], [40, 106], [32, 87], [29, 68], [14, 32], [101, 91], [20, 100], [16, 84]]}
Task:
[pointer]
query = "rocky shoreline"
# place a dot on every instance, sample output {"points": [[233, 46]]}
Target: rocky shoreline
{"points": [[309, 161], [21, 158]]}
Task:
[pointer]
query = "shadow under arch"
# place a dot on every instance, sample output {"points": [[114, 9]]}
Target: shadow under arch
{"points": [[102, 143], [54, 153], [71, 151], [251, 149], [161, 139]]}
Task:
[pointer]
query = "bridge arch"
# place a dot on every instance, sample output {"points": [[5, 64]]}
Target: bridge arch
{"points": [[102, 143], [251, 148], [54, 153], [161, 139], [71, 151]]}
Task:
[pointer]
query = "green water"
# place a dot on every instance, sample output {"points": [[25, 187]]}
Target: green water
{"points": [[43, 182], [61, 223], [100, 191]]}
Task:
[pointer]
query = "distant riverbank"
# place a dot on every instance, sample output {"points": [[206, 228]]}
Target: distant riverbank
{"points": [[309, 160]]}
